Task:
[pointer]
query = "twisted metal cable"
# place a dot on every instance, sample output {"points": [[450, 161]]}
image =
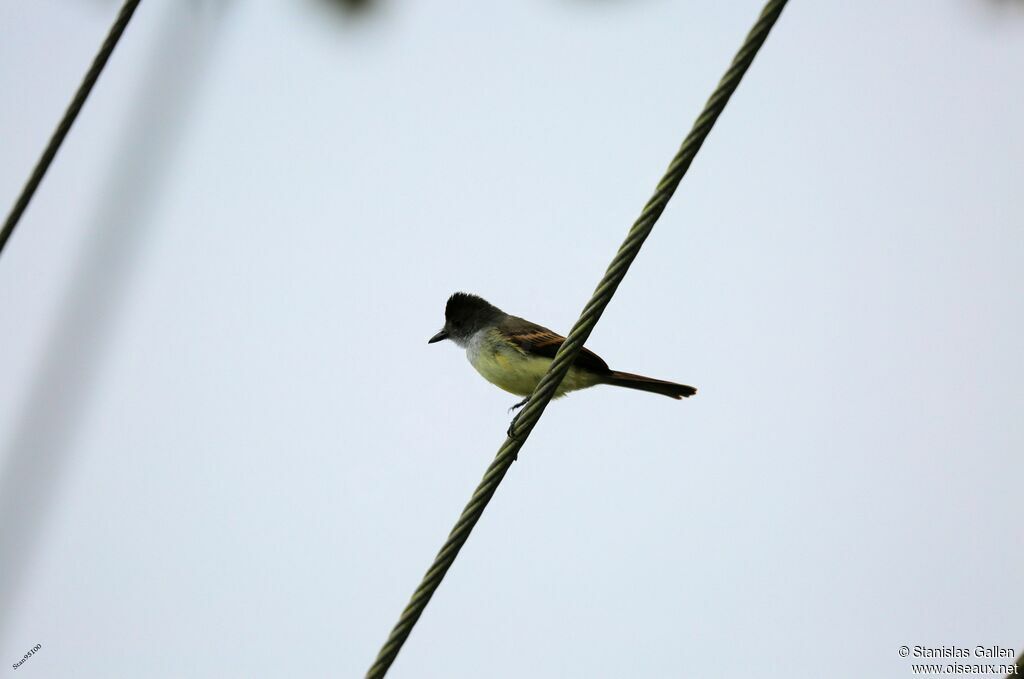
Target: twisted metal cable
{"points": [[93, 74], [528, 417]]}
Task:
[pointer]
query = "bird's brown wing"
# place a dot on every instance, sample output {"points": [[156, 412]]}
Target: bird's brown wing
{"points": [[538, 340]]}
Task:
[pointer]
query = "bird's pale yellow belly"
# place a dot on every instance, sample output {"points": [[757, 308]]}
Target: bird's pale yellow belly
{"points": [[515, 372]]}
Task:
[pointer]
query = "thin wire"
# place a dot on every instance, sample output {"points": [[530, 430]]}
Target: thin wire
{"points": [[68, 120], [528, 417]]}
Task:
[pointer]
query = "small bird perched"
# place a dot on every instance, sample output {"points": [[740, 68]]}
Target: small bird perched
{"points": [[514, 353]]}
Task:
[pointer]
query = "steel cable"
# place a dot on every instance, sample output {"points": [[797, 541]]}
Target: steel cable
{"points": [[91, 76], [528, 417]]}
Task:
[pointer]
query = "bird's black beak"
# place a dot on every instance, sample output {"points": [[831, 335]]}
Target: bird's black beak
{"points": [[443, 335]]}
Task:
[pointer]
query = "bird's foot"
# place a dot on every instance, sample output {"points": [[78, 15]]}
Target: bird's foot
{"points": [[511, 433]]}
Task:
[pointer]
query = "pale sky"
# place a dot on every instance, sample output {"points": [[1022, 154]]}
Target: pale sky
{"points": [[226, 449]]}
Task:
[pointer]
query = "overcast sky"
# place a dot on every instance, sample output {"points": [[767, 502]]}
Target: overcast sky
{"points": [[226, 449]]}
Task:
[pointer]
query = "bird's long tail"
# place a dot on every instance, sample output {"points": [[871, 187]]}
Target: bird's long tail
{"points": [[630, 381]]}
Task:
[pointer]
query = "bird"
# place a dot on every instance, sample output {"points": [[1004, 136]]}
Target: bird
{"points": [[514, 353]]}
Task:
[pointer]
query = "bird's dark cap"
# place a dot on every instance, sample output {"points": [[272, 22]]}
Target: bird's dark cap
{"points": [[463, 305]]}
